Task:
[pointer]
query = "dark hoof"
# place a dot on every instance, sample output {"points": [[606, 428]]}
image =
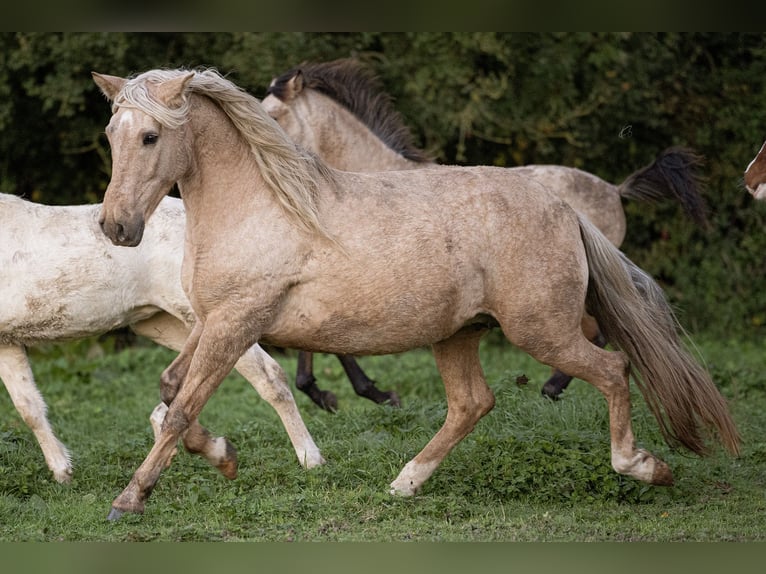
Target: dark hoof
{"points": [[551, 392], [228, 466], [328, 401], [393, 399], [114, 515]]}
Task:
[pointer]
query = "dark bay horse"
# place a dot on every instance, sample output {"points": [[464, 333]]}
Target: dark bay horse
{"points": [[339, 110], [282, 249]]}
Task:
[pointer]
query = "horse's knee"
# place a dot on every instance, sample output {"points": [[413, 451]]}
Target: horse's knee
{"points": [[486, 401], [472, 410], [169, 385]]}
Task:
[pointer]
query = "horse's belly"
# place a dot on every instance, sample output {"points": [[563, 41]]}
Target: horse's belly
{"points": [[362, 327], [33, 319]]}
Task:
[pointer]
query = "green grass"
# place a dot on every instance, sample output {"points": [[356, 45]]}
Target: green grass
{"points": [[532, 470]]}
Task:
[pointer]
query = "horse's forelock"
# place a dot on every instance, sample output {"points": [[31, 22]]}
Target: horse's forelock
{"points": [[137, 93]]}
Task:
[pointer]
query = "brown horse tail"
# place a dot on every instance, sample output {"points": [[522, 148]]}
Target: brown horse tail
{"points": [[635, 317], [674, 174]]}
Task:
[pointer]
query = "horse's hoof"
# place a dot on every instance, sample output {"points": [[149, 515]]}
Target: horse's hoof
{"points": [[551, 392], [328, 401], [228, 468], [63, 476], [662, 475], [115, 514], [393, 399]]}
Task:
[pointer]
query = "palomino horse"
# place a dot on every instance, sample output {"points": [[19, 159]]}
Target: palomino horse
{"points": [[755, 175], [62, 279], [338, 110], [280, 248]]}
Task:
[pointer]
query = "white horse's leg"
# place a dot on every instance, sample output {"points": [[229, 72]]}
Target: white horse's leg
{"points": [[269, 380], [468, 399], [17, 376]]}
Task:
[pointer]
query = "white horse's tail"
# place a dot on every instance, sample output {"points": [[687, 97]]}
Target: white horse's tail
{"points": [[635, 317]]}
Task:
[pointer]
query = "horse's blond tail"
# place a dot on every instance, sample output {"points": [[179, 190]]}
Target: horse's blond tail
{"points": [[635, 317]]}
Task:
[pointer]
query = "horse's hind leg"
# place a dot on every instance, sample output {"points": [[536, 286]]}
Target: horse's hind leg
{"points": [[468, 399], [306, 382], [17, 376], [363, 385], [559, 380], [608, 371]]}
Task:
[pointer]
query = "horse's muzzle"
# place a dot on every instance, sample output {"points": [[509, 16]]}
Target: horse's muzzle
{"points": [[123, 234]]}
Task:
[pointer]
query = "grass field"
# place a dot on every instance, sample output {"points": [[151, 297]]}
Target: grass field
{"points": [[532, 470]]}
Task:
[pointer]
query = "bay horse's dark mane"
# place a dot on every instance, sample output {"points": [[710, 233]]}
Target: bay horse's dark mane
{"points": [[356, 88]]}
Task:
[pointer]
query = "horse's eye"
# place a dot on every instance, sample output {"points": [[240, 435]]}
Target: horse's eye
{"points": [[150, 139]]}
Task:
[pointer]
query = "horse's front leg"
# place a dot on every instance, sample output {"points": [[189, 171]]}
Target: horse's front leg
{"points": [[468, 399], [269, 380], [171, 332], [208, 356], [19, 381], [173, 376]]}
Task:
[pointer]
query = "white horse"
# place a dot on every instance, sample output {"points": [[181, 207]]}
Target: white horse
{"points": [[62, 279]]}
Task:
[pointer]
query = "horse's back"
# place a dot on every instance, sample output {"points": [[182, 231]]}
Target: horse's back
{"points": [[63, 279], [470, 202], [424, 253]]}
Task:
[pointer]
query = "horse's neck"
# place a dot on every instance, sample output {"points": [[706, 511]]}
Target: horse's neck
{"points": [[225, 182], [346, 143]]}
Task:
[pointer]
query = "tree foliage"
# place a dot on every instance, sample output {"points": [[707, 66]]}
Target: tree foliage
{"points": [[603, 102]]}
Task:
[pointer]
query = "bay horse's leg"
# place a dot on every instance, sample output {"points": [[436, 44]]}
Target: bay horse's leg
{"points": [[363, 385], [207, 357], [559, 381], [16, 374], [306, 382], [468, 399]]}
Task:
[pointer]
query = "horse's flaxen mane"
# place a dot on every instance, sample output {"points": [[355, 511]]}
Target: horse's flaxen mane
{"points": [[357, 89], [291, 172]]}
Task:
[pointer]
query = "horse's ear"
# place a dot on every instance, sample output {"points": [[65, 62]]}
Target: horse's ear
{"points": [[294, 86], [172, 92], [110, 85]]}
